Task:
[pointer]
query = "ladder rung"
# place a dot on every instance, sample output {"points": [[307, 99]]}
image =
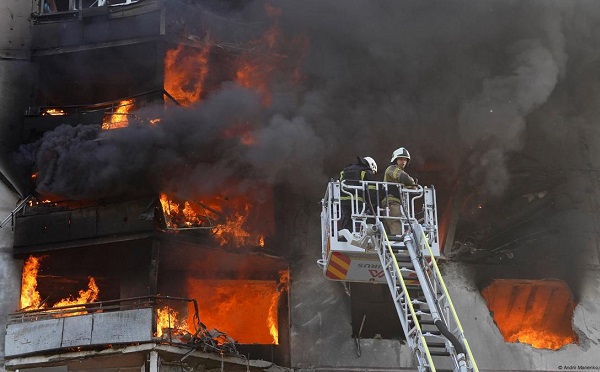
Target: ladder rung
{"points": [[424, 310], [437, 344], [396, 238], [439, 353], [436, 334], [424, 322]]}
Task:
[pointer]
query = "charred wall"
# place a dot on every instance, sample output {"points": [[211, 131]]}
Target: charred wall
{"points": [[47, 226], [99, 75]]}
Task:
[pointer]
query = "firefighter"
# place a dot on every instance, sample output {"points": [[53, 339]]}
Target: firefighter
{"points": [[395, 173], [364, 170]]}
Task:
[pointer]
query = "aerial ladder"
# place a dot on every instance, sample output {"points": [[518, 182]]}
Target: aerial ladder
{"points": [[406, 262]]}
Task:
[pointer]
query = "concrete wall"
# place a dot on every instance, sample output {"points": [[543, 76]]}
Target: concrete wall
{"points": [[488, 346], [15, 37], [321, 331], [10, 269], [16, 74], [15, 82], [321, 327]]}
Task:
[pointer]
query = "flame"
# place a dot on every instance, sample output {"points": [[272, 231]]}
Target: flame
{"points": [[536, 312], [31, 203], [246, 310], [85, 297], [243, 132], [168, 318], [191, 215], [270, 56], [53, 112], [233, 230], [186, 70], [119, 118], [30, 297], [250, 75], [234, 221], [272, 318], [255, 69], [540, 339]]}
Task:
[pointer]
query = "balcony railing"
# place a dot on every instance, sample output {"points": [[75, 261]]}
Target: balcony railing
{"points": [[123, 321]]}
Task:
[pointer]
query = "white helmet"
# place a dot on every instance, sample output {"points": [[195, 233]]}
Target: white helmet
{"points": [[401, 153], [369, 160]]}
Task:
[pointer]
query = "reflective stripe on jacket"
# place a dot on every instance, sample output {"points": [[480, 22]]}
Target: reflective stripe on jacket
{"points": [[395, 174]]}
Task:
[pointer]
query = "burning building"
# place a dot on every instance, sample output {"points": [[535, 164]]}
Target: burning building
{"points": [[162, 164]]}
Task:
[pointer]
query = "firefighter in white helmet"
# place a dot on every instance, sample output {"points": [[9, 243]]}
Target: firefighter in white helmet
{"points": [[396, 173], [363, 170]]}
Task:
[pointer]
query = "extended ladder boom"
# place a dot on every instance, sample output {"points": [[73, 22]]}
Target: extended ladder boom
{"points": [[435, 308]]}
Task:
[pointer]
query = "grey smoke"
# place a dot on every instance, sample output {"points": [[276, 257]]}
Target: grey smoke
{"points": [[497, 115], [456, 82]]}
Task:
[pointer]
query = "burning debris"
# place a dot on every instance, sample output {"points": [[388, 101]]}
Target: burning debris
{"points": [[234, 221], [119, 117], [171, 327]]}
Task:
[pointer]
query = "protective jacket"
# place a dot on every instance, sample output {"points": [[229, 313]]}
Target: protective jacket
{"points": [[353, 174], [395, 174]]}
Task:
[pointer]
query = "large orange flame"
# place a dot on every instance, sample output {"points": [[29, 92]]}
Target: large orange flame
{"points": [[535, 312], [263, 59], [540, 339], [30, 297], [246, 310], [185, 73], [234, 221]]}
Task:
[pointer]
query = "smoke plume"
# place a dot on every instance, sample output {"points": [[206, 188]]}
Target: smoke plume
{"points": [[455, 82]]}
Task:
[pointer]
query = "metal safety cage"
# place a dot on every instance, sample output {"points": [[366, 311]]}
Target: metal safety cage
{"points": [[369, 202]]}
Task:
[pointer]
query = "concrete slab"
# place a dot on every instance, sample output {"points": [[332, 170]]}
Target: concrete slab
{"points": [[77, 331], [122, 326], [30, 337]]}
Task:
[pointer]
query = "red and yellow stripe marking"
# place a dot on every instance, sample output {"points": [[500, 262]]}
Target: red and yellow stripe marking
{"points": [[338, 266]]}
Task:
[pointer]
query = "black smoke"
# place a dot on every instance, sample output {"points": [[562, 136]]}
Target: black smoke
{"points": [[467, 85]]}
